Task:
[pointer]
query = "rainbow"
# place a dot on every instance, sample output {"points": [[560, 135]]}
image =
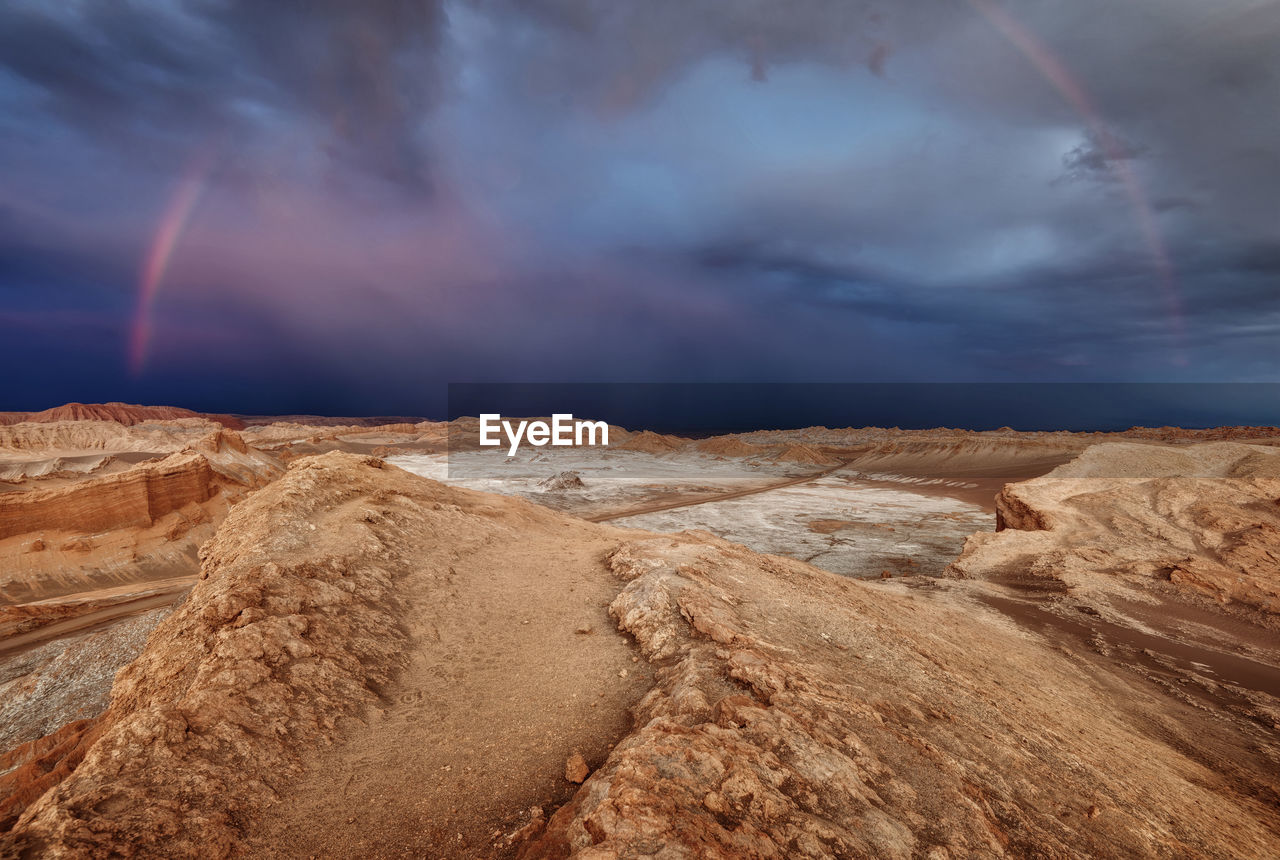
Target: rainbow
{"points": [[1057, 74], [174, 220]]}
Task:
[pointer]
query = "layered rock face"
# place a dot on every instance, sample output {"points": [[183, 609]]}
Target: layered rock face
{"points": [[142, 523], [90, 564], [132, 499], [1201, 520]]}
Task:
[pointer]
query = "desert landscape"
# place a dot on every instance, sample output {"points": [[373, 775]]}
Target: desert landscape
{"points": [[919, 488], [249, 636]]}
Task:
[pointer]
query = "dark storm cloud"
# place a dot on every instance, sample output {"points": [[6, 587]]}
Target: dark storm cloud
{"points": [[1109, 320], [618, 54], [398, 193], [1184, 94], [1187, 87], [1096, 160], [367, 69], [146, 75], [867, 291]]}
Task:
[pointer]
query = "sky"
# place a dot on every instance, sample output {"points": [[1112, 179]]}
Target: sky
{"points": [[335, 207]]}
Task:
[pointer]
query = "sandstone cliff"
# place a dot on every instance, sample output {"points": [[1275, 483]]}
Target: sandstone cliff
{"points": [[141, 523], [138, 497], [132, 499]]}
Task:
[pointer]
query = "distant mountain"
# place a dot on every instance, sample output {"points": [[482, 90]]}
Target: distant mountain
{"points": [[331, 420], [127, 414]]}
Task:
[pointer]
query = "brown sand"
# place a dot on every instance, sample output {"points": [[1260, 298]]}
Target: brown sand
{"points": [[501, 693]]}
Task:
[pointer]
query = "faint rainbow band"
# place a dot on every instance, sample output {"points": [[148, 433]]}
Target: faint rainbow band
{"points": [[187, 195], [1055, 71], [176, 217]]}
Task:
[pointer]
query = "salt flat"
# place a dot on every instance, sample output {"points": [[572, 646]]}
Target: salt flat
{"points": [[835, 522], [838, 525], [612, 480]]}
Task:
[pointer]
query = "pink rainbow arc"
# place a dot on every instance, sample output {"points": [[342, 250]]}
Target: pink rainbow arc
{"points": [[1055, 71], [174, 220]]}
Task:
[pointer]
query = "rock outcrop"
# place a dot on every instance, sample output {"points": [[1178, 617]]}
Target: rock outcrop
{"points": [[569, 480], [814, 717], [140, 496], [231, 458], [1013, 512], [260, 663], [1202, 520], [29, 770], [123, 524], [132, 499]]}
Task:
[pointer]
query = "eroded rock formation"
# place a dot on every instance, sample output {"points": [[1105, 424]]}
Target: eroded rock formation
{"points": [[132, 499], [569, 480], [812, 717], [1203, 520], [777, 711], [260, 663]]}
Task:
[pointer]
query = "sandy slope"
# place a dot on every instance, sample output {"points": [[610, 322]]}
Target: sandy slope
{"points": [[1161, 565], [356, 652], [1203, 519], [513, 665]]}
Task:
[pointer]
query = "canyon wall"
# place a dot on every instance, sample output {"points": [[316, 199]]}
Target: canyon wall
{"points": [[132, 499]]}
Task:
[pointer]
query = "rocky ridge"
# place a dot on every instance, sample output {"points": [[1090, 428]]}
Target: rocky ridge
{"points": [[126, 414], [816, 717]]}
